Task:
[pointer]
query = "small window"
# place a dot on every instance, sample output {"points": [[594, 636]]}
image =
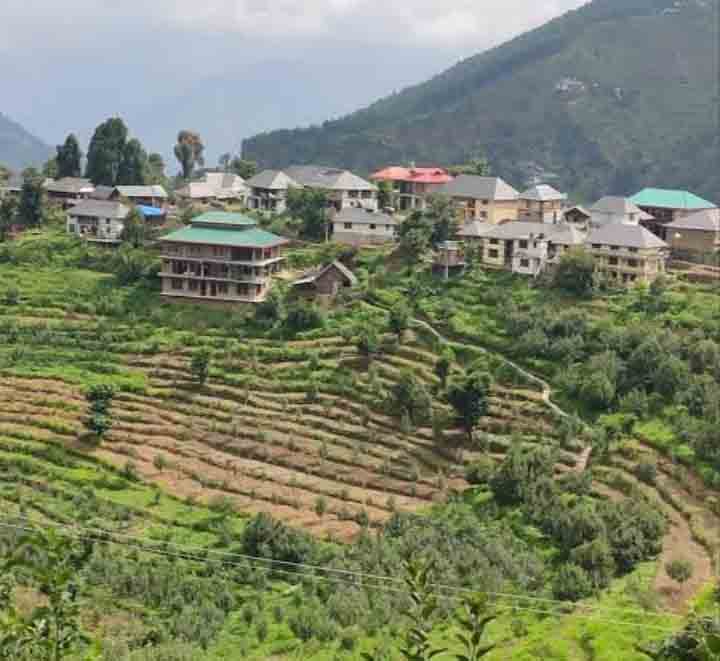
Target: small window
{"points": [[493, 242], [372, 227], [177, 284], [486, 202], [596, 246], [493, 254], [347, 226], [193, 285], [633, 249], [524, 263], [613, 261], [632, 263], [483, 214], [523, 244]]}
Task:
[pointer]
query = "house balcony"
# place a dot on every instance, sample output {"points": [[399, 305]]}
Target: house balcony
{"points": [[222, 260], [236, 278]]}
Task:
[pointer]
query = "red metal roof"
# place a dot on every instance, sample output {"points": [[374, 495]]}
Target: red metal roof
{"points": [[419, 175]]}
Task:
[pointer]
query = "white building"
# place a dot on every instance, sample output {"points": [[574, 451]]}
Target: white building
{"points": [[98, 221], [361, 227]]}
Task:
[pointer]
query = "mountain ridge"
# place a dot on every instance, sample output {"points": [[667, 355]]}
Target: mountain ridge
{"points": [[18, 147], [640, 78]]}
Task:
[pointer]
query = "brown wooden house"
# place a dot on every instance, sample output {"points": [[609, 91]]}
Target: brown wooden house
{"points": [[327, 281]]}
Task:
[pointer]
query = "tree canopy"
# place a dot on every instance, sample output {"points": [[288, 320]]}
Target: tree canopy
{"points": [[309, 205], [189, 151], [69, 158], [106, 151]]}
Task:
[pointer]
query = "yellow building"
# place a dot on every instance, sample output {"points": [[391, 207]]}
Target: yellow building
{"points": [[487, 199], [627, 254], [542, 204], [696, 233]]}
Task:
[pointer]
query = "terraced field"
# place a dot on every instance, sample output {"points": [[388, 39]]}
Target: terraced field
{"points": [[295, 428]]}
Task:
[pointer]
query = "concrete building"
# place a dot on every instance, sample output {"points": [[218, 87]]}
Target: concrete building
{"points": [[268, 191], [665, 206], [613, 210], [97, 221], [412, 185], [68, 190], [487, 199], [344, 189], [149, 196], [542, 204], [695, 234], [215, 187], [627, 254], [220, 257], [359, 227]]}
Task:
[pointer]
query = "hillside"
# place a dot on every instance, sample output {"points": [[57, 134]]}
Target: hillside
{"points": [[18, 148], [609, 98]]}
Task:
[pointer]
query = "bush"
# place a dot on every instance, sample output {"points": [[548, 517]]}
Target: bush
{"points": [[646, 472], [301, 317], [572, 583], [12, 296], [679, 571], [480, 471]]}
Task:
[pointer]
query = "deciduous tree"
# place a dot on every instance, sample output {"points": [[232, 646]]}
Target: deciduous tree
{"points": [[31, 211], [309, 205], [468, 395], [106, 152], [189, 152], [575, 272], [133, 170]]}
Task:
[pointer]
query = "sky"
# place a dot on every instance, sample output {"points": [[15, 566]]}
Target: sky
{"points": [[232, 68]]}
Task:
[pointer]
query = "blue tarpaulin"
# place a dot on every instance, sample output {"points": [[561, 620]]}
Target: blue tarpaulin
{"points": [[150, 212]]}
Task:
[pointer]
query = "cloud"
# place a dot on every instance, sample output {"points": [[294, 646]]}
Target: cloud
{"points": [[438, 23]]}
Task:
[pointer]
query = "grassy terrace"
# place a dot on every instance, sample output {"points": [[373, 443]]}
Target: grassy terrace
{"points": [[297, 427]]}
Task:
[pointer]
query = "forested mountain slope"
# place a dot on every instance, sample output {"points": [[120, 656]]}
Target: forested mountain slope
{"points": [[18, 148], [608, 98]]}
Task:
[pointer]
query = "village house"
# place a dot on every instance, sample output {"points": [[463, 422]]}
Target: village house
{"points": [[577, 215], [542, 204], [359, 227], [268, 191], [695, 234], [97, 221], [102, 193], [613, 210], [345, 190], [220, 257], [68, 190], [526, 247], [215, 187], [149, 196], [627, 254], [665, 206], [12, 187], [449, 257], [326, 282], [487, 199], [412, 186]]}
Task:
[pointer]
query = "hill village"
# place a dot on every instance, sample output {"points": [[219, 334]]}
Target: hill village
{"points": [[221, 253]]}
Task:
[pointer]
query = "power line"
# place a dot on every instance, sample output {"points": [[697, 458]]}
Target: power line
{"points": [[189, 555], [350, 573]]}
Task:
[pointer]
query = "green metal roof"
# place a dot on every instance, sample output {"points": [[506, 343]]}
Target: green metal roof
{"points": [[249, 238], [670, 199], [224, 218]]}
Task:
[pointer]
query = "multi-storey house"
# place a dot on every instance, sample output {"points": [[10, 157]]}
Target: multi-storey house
{"points": [[97, 220], [666, 206], [485, 199], [412, 186], [542, 204], [220, 257]]}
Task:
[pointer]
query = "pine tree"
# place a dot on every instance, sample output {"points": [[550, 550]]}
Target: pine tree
{"points": [[133, 170]]}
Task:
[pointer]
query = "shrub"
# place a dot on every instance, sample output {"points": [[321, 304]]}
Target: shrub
{"points": [[572, 583], [12, 296], [679, 571], [200, 366], [646, 472], [480, 471]]}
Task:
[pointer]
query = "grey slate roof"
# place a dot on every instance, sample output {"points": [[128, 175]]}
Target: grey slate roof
{"points": [[625, 236], [542, 193], [316, 176], [102, 193], [475, 229], [359, 216], [618, 206], [141, 191], [99, 209], [707, 220], [73, 185], [312, 276], [562, 234], [272, 180], [479, 188]]}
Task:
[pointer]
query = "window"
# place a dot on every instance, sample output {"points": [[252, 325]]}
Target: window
{"points": [[596, 246], [483, 214], [493, 242], [222, 288], [347, 226], [218, 252], [486, 202], [633, 249], [372, 227], [493, 254], [523, 244], [525, 263], [613, 261], [353, 194], [632, 263], [176, 284], [193, 285]]}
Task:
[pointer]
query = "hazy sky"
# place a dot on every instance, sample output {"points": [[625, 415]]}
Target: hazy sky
{"points": [[68, 64]]}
